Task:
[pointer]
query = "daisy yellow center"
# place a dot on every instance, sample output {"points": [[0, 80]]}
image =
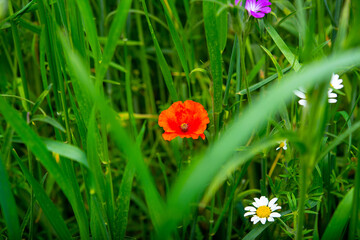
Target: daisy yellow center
{"points": [[282, 144], [184, 127], [263, 212]]}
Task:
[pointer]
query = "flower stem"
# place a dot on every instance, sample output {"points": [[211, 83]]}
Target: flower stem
{"points": [[305, 170], [275, 162], [242, 42]]}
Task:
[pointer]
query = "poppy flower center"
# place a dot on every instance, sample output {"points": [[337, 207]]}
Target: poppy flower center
{"points": [[263, 212], [184, 127]]}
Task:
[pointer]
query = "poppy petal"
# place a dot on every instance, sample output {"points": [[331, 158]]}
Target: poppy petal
{"points": [[169, 136]]}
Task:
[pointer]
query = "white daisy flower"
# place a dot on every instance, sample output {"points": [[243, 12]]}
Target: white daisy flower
{"points": [[332, 96], [263, 210], [282, 145], [335, 82], [301, 94]]}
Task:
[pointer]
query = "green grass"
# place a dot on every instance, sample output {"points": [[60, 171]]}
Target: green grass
{"points": [[83, 83]]}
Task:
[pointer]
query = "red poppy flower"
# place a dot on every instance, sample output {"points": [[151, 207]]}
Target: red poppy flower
{"points": [[188, 119]]}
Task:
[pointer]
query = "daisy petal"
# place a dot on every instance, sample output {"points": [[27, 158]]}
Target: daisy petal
{"points": [[332, 100], [250, 208], [264, 201], [263, 220], [255, 204], [275, 214], [249, 213], [255, 219], [258, 201], [272, 201], [270, 219], [275, 207]]}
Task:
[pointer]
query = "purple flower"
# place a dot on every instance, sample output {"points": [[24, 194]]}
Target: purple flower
{"points": [[256, 8]]}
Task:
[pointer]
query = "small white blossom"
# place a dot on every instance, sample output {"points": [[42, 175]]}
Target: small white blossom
{"points": [[282, 145], [332, 96], [301, 94], [263, 210], [335, 82]]}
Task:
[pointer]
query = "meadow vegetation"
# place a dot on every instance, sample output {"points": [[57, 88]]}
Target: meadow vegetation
{"points": [[162, 119]]}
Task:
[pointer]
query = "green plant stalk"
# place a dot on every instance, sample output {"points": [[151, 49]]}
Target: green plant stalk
{"points": [[230, 72], [45, 21], [238, 98], [15, 34], [242, 40], [162, 61], [230, 219], [144, 65], [303, 188], [32, 200], [213, 45], [354, 221], [43, 70], [108, 177], [320, 20], [229, 202], [211, 221], [63, 93], [8, 205]]}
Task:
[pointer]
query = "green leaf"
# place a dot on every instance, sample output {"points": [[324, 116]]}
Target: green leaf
{"points": [[177, 43], [47, 206], [222, 23], [212, 40], [125, 194], [90, 28], [121, 138], [67, 150], [97, 222], [282, 46], [116, 29], [263, 82], [162, 62], [340, 218], [253, 234], [277, 66], [8, 206], [40, 99], [39, 149], [49, 120]]}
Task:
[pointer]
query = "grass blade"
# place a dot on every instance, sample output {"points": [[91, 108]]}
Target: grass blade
{"points": [[121, 139], [35, 144], [49, 120], [8, 205], [67, 150], [282, 46], [162, 62], [47, 206], [263, 82], [116, 29], [340, 218], [212, 40], [178, 45], [277, 66]]}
